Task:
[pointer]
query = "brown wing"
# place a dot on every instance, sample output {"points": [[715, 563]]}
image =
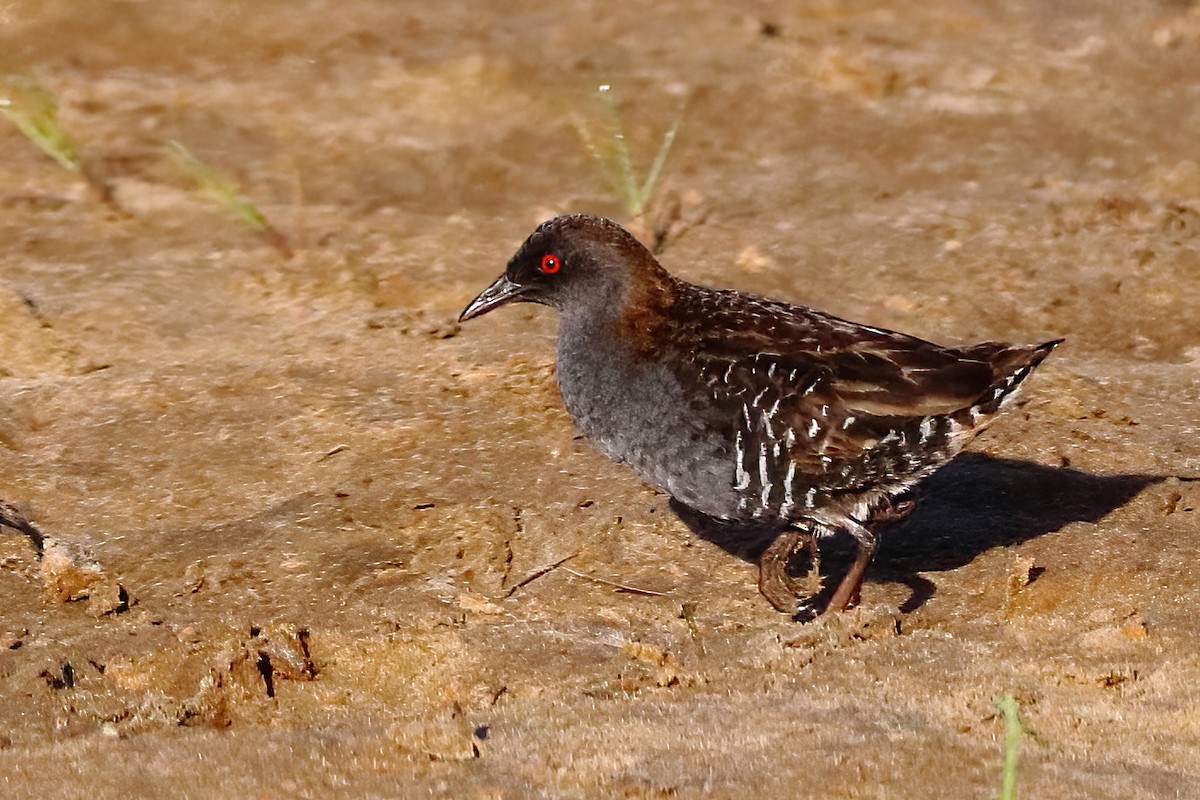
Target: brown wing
{"points": [[819, 405], [870, 370]]}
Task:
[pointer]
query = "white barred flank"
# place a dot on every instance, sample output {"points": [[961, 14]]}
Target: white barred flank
{"points": [[764, 474], [789, 488], [743, 477]]}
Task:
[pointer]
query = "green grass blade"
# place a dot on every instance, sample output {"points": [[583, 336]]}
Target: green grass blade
{"points": [[660, 159], [626, 179], [225, 191], [1012, 746], [34, 111], [606, 142], [217, 185], [595, 151]]}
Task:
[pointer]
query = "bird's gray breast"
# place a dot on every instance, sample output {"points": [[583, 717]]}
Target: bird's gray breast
{"points": [[636, 412]]}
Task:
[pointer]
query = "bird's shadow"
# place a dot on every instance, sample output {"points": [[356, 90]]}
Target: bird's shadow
{"points": [[973, 504]]}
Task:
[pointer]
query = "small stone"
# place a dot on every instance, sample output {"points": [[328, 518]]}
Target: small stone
{"points": [[69, 572], [107, 598]]}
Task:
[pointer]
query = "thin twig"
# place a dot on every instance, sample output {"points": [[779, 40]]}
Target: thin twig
{"points": [[620, 587], [10, 516], [539, 572], [339, 449]]}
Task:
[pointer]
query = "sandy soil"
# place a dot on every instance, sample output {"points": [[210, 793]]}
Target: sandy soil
{"points": [[307, 538]]}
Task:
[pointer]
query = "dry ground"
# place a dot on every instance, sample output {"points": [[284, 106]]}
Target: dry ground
{"points": [[321, 500]]}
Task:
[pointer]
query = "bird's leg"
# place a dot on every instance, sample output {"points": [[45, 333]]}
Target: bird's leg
{"points": [[847, 593], [773, 579]]}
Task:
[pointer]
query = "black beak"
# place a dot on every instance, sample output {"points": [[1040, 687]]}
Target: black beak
{"points": [[500, 292]]}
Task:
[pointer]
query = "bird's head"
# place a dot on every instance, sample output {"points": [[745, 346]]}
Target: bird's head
{"points": [[573, 264]]}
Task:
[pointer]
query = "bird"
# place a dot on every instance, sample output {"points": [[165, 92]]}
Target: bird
{"points": [[750, 410]]}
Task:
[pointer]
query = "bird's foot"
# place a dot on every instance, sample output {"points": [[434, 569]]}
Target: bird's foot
{"points": [[845, 597], [804, 599]]}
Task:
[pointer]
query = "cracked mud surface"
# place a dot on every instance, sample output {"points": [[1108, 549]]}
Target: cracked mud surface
{"points": [[362, 551]]}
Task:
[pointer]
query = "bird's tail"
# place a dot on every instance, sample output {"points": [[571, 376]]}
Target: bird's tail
{"points": [[1012, 365]]}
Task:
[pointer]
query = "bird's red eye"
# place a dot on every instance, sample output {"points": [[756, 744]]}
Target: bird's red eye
{"points": [[550, 264]]}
